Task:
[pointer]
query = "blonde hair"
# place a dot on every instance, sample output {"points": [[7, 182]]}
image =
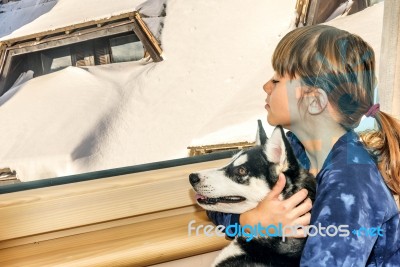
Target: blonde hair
{"points": [[343, 65]]}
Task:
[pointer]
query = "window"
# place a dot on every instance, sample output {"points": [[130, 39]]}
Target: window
{"points": [[126, 48], [56, 59]]}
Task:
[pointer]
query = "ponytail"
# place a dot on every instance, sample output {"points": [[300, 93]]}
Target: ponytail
{"points": [[385, 145]]}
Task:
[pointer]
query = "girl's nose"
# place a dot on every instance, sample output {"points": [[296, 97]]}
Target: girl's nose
{"points": [[268, 87]]}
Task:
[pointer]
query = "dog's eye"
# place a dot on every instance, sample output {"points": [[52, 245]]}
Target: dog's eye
{"points": [[242, 171]]}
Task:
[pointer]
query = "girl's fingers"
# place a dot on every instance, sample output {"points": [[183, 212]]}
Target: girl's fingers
{"points": [[296, 199], [301, 209], [303, 220]]}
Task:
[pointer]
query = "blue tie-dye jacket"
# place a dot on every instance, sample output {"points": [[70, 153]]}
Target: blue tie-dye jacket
{"points": [[350, 191]]}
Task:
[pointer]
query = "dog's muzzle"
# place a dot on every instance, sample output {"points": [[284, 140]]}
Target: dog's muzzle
{"points": [[194, 179]]}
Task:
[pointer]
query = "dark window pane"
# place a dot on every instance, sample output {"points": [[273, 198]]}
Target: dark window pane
{"points": [[126, 48], [56, 59]]}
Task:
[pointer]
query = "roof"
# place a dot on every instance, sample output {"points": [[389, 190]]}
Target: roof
{"points": [[56, 28], [49, 15]]}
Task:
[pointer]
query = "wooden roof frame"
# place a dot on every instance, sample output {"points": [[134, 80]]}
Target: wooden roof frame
{"points": [[207, 149], [130, 21]]}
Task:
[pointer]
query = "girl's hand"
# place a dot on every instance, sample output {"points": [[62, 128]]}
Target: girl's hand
{"points": [[288, 212]]}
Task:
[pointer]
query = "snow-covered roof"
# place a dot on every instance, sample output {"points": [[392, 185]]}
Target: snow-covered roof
{"points": [[147, 29], [34, 16], [208, 89]]}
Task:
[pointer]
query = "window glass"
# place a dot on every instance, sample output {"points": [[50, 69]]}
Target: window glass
{"points": [[56, 59], [126, 48]]}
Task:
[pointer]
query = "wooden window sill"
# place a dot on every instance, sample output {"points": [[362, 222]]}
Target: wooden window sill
{"points": [[135, 219], [137, 244]]}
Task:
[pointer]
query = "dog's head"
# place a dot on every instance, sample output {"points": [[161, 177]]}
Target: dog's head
{"points": [[250, 175]]}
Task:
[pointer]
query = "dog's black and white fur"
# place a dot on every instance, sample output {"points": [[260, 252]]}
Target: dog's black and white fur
{"points": [[242, 184]]}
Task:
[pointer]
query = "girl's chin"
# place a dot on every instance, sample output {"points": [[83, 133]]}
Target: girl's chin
{"points": [[271, 121]]}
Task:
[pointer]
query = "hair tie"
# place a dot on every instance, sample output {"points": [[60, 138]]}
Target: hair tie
{"points": [[372, 110]]}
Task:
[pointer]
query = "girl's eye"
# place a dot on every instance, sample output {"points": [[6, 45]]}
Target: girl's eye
{"points": [[242, 171], [274, 81]]}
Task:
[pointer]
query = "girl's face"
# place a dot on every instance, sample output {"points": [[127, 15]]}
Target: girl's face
{"points": [[281, 101]]}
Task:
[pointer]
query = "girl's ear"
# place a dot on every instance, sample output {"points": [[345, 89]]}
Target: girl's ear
{"points": [[317, 101]]}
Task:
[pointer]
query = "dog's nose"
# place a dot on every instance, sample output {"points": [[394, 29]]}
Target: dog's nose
{"points": [[194, 178]]}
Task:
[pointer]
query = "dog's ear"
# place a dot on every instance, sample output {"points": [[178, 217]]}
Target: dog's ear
{"points": [[276, 149], [279, 151], [261, 137]]}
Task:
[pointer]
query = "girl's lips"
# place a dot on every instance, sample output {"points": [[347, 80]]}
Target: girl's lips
{"points": [[267, 104]]}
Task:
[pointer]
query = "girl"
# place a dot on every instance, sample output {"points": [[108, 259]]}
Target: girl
{"points": [[323, 84]]}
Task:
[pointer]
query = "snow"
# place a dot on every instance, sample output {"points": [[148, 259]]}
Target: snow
{"points": [[17, 14], [33, 16], [207, 90], [23, 78], [152, 8]]}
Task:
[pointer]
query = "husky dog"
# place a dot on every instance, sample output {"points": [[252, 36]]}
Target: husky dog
{"points": [[242, 184]]}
